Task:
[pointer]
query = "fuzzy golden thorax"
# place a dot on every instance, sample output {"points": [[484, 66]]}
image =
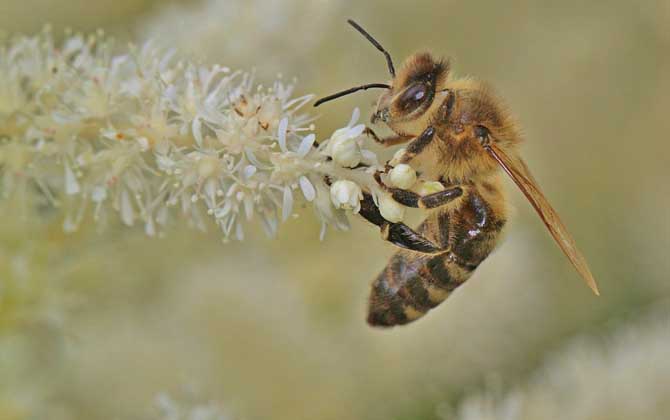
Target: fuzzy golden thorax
{"points": [[462, 111]]}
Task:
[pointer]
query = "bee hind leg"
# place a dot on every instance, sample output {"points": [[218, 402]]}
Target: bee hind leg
{"points": [[399, 234]]}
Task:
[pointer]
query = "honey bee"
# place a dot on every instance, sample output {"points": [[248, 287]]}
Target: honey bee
{"points": [[458, 134]]}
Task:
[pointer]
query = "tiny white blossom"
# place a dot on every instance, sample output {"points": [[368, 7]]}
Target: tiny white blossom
{"points": [[397, 156], [345, 151], [390, 209], [429, 187], [344, 146], [402, 176], [346, 195]]}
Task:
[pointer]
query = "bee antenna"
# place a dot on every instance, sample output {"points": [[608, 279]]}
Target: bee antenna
{"points": [[374, 42], [351, 90]]}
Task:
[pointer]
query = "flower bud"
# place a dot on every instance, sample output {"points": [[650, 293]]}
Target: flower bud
{"points": [[345, 151], [346, 195], [402, 176], [390, 209], [397, 156], [429, 187]]}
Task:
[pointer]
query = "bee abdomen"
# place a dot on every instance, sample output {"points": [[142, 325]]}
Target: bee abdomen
{"points": [[411, 285]]}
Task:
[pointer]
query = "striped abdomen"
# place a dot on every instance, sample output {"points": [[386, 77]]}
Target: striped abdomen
{"points": [[413, 283]]}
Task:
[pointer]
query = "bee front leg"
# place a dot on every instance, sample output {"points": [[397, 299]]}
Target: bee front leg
{"points": [[417, 145], [387, 141], [398, 234]]}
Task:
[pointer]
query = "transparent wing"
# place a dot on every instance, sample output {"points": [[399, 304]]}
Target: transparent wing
{"points": [[518, 171]]}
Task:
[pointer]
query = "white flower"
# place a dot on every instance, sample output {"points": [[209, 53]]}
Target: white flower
{"points": [[390, 209], [345, 151], [429, 187], [346, 195], [344, 145], [397, 156], [402, 176]]}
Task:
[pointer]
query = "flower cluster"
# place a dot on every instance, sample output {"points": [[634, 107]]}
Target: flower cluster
{"points": [[623, 376], [171, 409], [146, 137]]}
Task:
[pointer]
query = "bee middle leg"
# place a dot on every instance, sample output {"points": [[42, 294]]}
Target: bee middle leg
{"points": [[414, 200], [398, 234], [430, 201]]}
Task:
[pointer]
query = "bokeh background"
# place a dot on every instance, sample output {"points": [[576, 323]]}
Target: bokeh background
{"points": [[97, 325]]}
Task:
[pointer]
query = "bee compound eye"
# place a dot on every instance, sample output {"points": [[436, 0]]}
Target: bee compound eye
{"points": [[413, 96], [481, 132]]}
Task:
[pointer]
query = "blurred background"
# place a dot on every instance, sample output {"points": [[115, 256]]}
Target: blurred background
{"points": [[97, 325]]}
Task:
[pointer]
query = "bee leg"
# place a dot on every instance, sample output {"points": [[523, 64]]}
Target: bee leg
{"points": [[398, 234], [430, 201], [387, 141], [412, 199], [418, 145], [370, 211]]}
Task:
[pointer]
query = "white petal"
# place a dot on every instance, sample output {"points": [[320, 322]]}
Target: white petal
{"points": [[270, 224], [299, 101], [249, 206], [343, 195], [221, 212], [357, 130], [144, 143], [71, 184], [150, 228], [306, 145], [369, 157], [162, 216], [197, 131], [281, 134], [354, 117], [307, 188], [239, 232], [252, 158], [127, 213], [249, 171], [287, 203], [98, 194]]}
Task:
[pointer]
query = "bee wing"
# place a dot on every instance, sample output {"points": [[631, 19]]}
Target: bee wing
{"points": [[518, 171]]}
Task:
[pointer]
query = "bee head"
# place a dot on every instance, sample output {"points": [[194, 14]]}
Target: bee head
{"points": [[405, 106], [411, 93]]}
